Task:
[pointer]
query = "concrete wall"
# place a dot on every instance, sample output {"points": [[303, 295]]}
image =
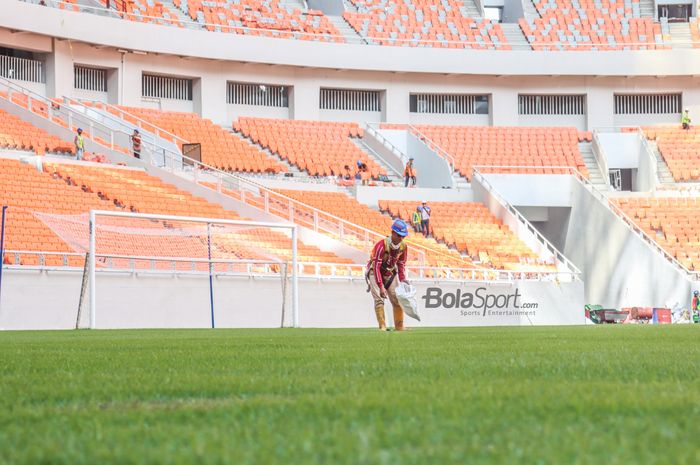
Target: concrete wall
{"points": [[371, 195], [622, 270], [431, 169], [329, 7], [49, 300]]}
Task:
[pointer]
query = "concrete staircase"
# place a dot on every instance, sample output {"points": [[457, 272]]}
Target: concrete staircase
{"points": [[646, 9], [181, 15], [349, 6], [351, 36], [394, 177], [596, 178], [472, 9], [460, 181], [662, 170], [680, 35], [529, 10], [515, 37], [293, 4]]}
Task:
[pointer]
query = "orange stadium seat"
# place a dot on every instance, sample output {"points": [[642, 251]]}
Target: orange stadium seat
{"points": [[21, 135], [586, 25], [268, 18], [349, 209], [424, 23], [320, 148], [670, 222], [473, 230], [219, 147]]}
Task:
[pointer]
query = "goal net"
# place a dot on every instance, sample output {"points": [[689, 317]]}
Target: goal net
{"points": [[159, 271]]}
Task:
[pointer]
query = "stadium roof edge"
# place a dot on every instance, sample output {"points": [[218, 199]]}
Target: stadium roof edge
{"points": [[111, 32]]}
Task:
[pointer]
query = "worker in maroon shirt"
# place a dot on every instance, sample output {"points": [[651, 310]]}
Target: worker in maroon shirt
{"points": [[388, 262]]}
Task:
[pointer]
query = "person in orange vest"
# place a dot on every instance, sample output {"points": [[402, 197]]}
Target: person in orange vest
{"points": [[409, 173], [387, 266]]}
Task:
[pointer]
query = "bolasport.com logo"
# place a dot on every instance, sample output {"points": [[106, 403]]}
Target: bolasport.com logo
{"points": [[480, 302]]}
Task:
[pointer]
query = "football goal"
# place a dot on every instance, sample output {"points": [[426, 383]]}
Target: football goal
{"points": [[160, 271]]}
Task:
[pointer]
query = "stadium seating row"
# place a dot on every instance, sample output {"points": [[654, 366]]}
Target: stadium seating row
{"points": [[472, 146], [680, 149], [268, 18], [75, 189], [591, 25], [219, 148], [319, 148], [472, 229], [670, 222], [21, 135], [444, 24]]}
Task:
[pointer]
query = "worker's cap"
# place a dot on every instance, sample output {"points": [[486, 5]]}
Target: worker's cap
{"points": [[696, 293], [80, 130], [424, 202]]}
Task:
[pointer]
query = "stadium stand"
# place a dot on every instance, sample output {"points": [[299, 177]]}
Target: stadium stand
{"points": [[680, 148], [347, 208], [444, 24], [472, 146], [267, 18], [472, 229], [671, 222], [147, 11], [78, 188], [219, 148], [600, 25], [319, 148], [18, 134]]}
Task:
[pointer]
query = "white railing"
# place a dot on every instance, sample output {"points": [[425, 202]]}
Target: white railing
{"points": [[627, 221], [131, 119], [22, 69], [375, 130], [433, 146], [264, 268], [338, 37], [600, 158], [478, 176]]}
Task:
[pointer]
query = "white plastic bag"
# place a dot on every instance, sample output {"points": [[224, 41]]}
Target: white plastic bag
{"points": [[407, 298]]}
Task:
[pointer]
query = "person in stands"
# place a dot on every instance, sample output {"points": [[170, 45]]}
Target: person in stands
{"points": [[424, 210], [386, 264], [695, 307], [409, 173], [685, 119], [136, 143], [416, 220], [79, 143]]}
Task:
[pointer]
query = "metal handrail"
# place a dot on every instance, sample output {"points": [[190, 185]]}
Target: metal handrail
{"points": [[433, 146], [627, 221], [521, 218], [395, 42], [341, 271], [370, 127], [116, 112], [600, 158]]}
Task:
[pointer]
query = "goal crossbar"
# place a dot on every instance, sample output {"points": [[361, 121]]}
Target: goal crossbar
{"points": [[92, 269]]}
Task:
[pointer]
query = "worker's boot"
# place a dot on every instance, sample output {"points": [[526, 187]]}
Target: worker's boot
{"points": [[398, 317], [379, 310]]}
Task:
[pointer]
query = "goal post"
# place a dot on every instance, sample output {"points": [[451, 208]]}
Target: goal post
{"points": [[190, 245]]}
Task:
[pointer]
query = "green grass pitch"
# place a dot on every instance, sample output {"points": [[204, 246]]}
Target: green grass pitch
{"points": [[580, 395]]}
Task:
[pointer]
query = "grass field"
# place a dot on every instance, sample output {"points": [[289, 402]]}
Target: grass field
{"points": [[586, 395]]}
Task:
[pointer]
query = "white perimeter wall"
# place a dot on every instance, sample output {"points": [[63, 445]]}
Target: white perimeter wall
{"points": [[41, 300]]}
